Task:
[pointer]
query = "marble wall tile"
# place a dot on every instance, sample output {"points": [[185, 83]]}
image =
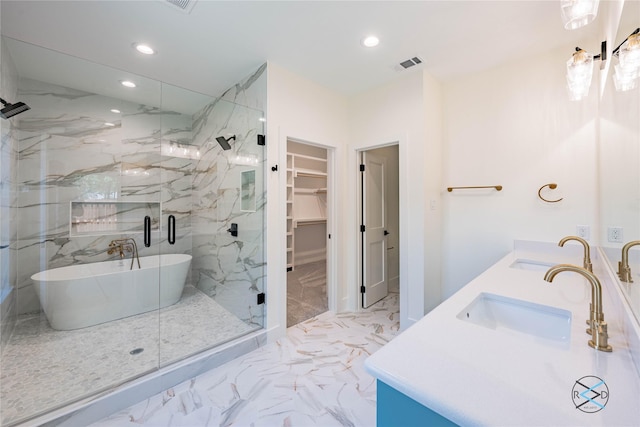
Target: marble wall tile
{"points": [[230, 269], [73, 148], [125, 161], [250, 92]]}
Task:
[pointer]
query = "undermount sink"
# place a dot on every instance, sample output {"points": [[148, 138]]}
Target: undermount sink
{"points": [[498, 312], [528, 264]]}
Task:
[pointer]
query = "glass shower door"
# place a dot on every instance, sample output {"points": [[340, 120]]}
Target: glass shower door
{"points": [[225, 217]]}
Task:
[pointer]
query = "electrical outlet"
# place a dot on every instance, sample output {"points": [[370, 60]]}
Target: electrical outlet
{"points": [[583, 231], [614, 234]]}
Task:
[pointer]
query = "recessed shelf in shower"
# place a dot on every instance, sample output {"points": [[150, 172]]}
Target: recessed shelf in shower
{"points": [[111, 217]]}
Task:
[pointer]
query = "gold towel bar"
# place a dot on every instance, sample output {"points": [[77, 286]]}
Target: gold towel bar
{"points": [[497, 187]]}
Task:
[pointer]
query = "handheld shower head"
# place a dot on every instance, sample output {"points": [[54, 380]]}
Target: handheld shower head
{"points": [[224, 142], [11, 110]]}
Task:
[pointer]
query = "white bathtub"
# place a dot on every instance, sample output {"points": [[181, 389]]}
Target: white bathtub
{"points": [[85, 295]]}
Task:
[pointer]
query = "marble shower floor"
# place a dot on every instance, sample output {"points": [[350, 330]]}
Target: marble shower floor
{"points": [[312, 377], [306, 292], [43, 368]]}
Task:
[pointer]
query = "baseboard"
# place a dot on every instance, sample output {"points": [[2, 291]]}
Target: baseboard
{"points": [[308, 257], [394, 283]]}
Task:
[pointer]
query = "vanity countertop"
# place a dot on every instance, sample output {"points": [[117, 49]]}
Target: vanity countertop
{"points": [[474, 375]]}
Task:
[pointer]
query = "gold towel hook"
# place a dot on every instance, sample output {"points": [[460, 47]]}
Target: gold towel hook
{"points": [[552, 186]]}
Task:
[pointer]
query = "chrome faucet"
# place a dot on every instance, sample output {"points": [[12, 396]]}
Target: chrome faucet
{"points": [[586, 262], [598, 329], [624, 271], [125, 245]]}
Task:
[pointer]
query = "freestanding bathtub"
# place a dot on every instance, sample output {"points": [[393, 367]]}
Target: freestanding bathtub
{"points": [[85, 295]]}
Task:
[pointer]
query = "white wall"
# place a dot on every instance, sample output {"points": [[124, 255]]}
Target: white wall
{"points": [[406, 112], [514, 126], [433, 215], [305, 111], [397, 113]]}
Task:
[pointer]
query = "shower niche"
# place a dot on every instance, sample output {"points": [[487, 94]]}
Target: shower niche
{"points": [[89, 218]]}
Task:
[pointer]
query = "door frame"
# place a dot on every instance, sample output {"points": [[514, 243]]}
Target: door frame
{"points": [[332, 282]]}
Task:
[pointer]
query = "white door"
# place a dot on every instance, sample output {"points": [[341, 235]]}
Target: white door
{"points": [[374, 219]]}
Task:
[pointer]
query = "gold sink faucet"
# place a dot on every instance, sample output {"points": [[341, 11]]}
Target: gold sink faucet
{"points": [[125, 245], [599, 335], [624, 271], [586, 262]]}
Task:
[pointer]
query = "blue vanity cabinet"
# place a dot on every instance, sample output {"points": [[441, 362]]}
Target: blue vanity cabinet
{"points": [[397, 409]]}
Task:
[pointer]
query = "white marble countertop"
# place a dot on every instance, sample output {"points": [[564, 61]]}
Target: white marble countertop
{"points": [[474, 375]]}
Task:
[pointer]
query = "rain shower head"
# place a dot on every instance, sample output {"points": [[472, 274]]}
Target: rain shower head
{"points": [[11, 110], [224, 142]]}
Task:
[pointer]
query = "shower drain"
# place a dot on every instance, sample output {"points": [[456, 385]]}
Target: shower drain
{"points": [[136, 351]]}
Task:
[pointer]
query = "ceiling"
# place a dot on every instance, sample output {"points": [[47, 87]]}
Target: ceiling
{"points": [[220, 42]]}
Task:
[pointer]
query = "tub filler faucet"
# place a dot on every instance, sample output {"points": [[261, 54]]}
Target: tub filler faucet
{"points": [[125, 245], [598, 327]]}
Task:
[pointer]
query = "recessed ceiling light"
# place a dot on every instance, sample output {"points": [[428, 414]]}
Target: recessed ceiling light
{"points": [[115, 110], [144, 48], [127, 83], [370, 41]]}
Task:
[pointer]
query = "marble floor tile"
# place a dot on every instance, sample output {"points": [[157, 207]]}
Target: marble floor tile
{"points": [[312, 377], [43, 368]]}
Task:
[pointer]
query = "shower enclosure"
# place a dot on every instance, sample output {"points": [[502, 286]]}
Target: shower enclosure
{"points": [[95, 171]]}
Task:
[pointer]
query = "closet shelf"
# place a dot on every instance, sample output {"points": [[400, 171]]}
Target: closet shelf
{"points": [[304, 156], [309, 173], [310, 190], [306, 181], [308, 221]]}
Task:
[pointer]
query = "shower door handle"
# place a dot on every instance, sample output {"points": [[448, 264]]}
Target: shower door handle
{"points": [[171, 228], [147, 231]]}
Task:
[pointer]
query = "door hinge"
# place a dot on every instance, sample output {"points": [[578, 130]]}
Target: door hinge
{"points": [[261, 140], [362, 228], [261, 298], [329, 235], [361, 168], [363, 289], [289, 269]]}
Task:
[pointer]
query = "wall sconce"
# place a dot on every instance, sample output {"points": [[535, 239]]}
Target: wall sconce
{"points": [[578, 13], [579, 73], [628, 68], [626, 72]]}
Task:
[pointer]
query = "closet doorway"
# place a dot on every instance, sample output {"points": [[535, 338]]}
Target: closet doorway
{"points": [[380, 224], [307, 207]]}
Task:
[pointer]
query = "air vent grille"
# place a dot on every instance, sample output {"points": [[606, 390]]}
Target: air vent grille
{"points": [[182, 5], [410, 62]]}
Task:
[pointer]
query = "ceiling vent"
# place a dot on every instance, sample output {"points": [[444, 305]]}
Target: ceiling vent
{"points": [[408, 63], [411, 62], [184, 6]]}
